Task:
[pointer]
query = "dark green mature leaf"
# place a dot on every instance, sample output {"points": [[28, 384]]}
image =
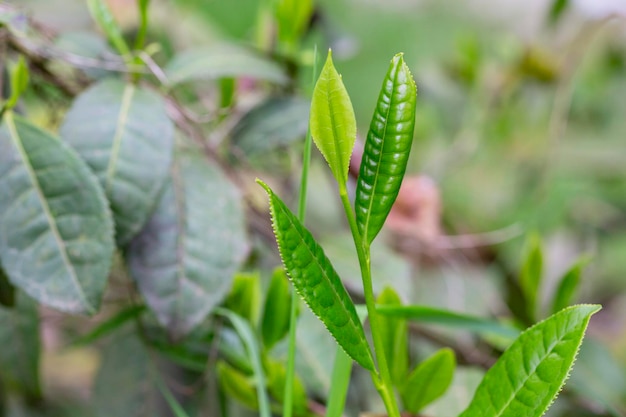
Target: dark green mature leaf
{"points": [[425, 314], [19, 356], [568, 285], [276, 122], [125, 383], [56, 233], [124, 134], [219, 61], [394, 333], [531, 273], [428, 381], [530, 373], [315, 279], [386, 150], [275, 321], [185, 258], [333, 125]]}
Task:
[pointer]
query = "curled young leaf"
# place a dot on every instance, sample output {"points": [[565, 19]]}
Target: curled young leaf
{"points": [[530, 373], [333, 125], [315, 279], [386, 150]]}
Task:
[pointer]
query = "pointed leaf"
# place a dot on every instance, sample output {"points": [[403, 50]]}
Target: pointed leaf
{"points": [[333, 125], [19, 82], [530, 373], [275, 323], [56, 233], [21, 348], [394, 333], [429, 380], [317, 282], [386, 150], [531, 274], [568, 285], [219, 61], [185, 258], [124, 134]]}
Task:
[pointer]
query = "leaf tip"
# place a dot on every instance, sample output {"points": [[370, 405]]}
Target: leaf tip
{"points": [[264, 185]]}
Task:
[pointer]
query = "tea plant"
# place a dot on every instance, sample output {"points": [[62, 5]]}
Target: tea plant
{"points": [[524, 380]]}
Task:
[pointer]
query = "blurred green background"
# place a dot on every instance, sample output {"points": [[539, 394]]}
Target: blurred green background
{"points": [[521, 128]]}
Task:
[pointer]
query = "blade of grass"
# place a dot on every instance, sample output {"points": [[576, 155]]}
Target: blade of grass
{"points": [[339, 383], [291, 353]]}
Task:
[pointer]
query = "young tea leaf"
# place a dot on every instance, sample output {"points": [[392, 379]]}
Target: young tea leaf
{"points": [[428, 381], [568, 285], [124, 134], [333, 125], [394, 333], [317, 282], [19, 82], [56, 232], [531, 273], [530, 373], [386, 150], [275, 322]]}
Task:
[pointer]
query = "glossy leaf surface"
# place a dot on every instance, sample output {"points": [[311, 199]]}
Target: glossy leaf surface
{"points": [[56, 233], [530, 373], [428, 381], [21, 347], [394, 333], [386, 150], [333, 125], [125, 136], [219, 61], [185, 257], [317, 282]]}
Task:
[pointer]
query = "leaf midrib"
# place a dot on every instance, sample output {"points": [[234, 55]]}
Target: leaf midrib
{"points": [[337, 297], [15, 137], [120, 129]]}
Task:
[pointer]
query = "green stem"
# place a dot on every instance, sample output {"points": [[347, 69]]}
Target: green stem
{"points": [[382, 381]]}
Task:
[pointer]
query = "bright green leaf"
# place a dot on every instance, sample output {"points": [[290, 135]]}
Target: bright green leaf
{"points": [[394, 332], [531, 273], [185, 257], [19, 82], [275, 322], [530, 373], [431, 315], [317, 282], [429, 380], [293, 19], [568, 285], [124, 134], [237, 385], [244, 298], [333, 125], [387, 149], [276, 380], [21, 348], [56, 233], [219, 61], [101, 13], [342, 368]]}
